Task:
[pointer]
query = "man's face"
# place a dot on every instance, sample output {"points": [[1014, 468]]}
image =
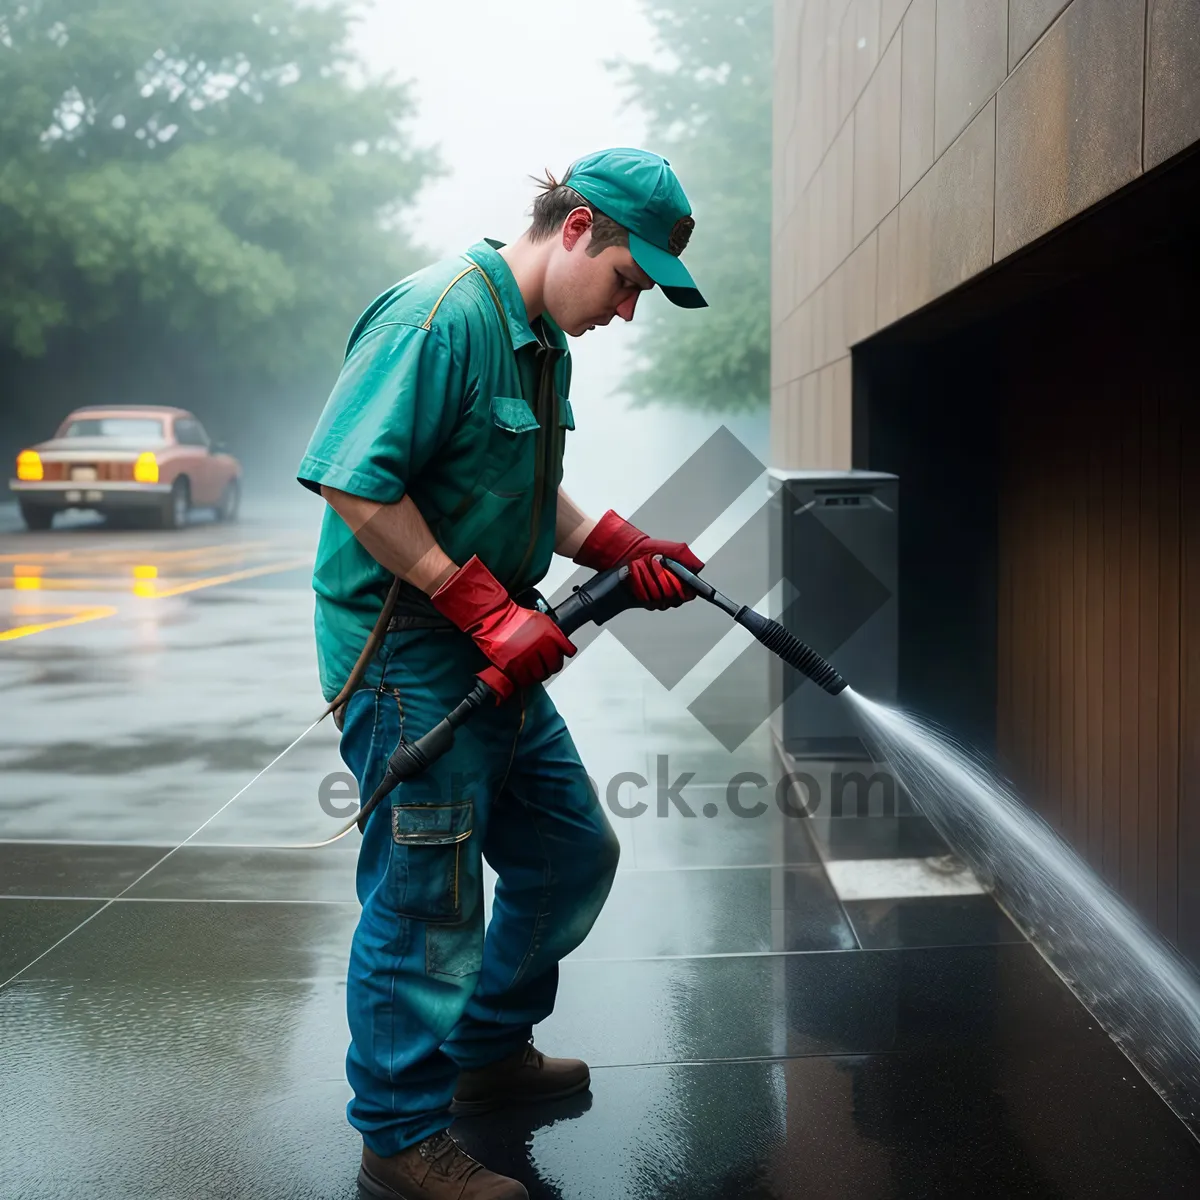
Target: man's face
{"points": [[582, 292]]}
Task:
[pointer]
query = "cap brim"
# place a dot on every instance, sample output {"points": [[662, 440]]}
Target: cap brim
{"points": [[668, 272]]}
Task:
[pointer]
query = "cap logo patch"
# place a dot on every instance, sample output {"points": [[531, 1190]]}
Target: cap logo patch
{"points": [[680, 234]]}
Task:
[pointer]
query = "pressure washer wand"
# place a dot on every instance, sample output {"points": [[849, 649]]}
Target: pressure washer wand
{"points": [[601, 597], [772, 635]]}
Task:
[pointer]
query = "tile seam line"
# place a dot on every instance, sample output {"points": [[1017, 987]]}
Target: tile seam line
{"points": [[771, 1058], [1041, 37], [1020, 940], [1146, 14], [174, 985], [799, 865], [656, 958], [682, 870], [26, 898], [5, 983], [1044, 954], [895, 208], [837, 895], [854, 104], [145, 845]]}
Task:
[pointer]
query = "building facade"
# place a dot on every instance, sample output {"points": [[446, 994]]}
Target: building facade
{"points": [[986, 258]]}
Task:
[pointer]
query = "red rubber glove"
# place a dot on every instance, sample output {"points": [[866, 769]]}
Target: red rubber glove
{"points": [[523, 645], [615, 541]]}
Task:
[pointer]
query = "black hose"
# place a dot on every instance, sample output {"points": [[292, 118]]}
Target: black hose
{"points": [[602, 597], [772, 635], [793, 651], [409, 759]]}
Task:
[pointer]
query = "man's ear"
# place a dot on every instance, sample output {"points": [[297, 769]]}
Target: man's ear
{"points": [[578, 222]]}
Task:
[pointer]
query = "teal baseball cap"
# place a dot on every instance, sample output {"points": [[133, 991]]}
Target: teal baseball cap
{"points": [[639, 191]]}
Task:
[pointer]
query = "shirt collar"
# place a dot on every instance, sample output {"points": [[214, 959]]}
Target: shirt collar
{"points": [[484, 254]]}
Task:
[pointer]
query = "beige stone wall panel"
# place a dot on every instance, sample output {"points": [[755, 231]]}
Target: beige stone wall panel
{"points": [[778, 427], [945, 228], [806, 359], [860, 294], [835, 315], [820, 314], [972, 61], [830, 118], [917, 91], [876, 178], [804, 448], [1069, 120], [840, 455], [890, 17], [843, 151], [1172, 79], [1027, 21], [887, 306], [859, 43]]}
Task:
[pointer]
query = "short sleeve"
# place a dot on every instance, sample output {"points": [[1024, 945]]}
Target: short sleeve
{"points": [[393, 405]]}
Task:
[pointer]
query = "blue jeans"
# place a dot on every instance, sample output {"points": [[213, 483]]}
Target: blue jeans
{"points": [[428, 991]]}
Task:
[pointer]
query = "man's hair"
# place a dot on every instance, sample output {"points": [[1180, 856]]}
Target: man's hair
{"points": [[555, 201]]}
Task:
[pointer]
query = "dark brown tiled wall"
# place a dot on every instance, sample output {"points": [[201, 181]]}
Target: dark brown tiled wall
{"points": [[917, 41], [972, 61], [946, 220], [1069, 120], [1027, 21], [877, 146], [1099, 602], [1172, 78]]}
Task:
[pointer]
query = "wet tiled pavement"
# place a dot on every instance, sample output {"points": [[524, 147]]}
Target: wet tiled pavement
{"points": [[771, 1006]]}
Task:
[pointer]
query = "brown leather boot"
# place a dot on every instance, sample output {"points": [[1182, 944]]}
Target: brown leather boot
{"points": [[435, 1169], [526, 1077]]}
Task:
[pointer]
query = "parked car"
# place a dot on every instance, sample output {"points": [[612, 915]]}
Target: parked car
{"points": [[125, 461]]}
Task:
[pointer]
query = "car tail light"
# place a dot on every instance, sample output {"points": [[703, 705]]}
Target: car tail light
{"points": [[29, 466], [145, 470]]}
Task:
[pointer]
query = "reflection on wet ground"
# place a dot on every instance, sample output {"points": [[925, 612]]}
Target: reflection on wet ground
{"points": [[772, 1006]]}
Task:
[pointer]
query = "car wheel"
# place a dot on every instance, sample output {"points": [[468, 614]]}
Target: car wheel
{"points": [[36, 516], [230, 499], [178, 503]]}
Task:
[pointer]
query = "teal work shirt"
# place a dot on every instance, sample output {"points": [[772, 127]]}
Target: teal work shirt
{"points": [[446, 395]]}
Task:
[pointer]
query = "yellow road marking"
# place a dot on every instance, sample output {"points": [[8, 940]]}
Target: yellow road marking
{"points": [[88, 614], [27, 577], [47, 583], [194, 585], [214, 580], [135, 553], [57, 608]]}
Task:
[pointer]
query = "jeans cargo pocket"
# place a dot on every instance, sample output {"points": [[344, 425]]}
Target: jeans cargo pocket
{"points": [[427, 859], [455, 950]]}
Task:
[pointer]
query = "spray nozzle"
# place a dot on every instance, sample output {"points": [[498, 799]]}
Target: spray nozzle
{"points": [[772, 635]]}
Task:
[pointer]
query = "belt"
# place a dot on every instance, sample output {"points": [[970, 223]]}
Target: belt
{"points": [[414, 610], [419, 621]]}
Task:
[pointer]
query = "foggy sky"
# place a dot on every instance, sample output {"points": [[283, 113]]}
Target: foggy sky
{"points": [[506, 90]]}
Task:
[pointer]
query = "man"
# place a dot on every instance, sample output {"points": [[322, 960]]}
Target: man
{"points": [[440, 455]]}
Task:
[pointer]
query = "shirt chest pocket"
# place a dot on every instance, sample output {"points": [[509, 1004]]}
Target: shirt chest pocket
{"points": [[512, 446]]}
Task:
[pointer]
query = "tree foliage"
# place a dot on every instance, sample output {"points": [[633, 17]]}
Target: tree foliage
{"points": [[709, 109], [212, 181]]}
